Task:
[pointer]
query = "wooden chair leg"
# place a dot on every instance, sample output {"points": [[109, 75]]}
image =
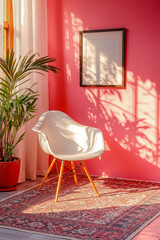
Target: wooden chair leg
{"points": [[89, 177], [48, 171], [74, 173], [59, 181]]}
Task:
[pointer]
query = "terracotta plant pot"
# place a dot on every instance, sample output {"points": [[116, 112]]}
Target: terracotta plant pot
{"points": [[9, 173]]}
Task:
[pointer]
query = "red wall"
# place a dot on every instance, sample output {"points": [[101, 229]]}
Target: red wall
{"points": [[129, 118]]}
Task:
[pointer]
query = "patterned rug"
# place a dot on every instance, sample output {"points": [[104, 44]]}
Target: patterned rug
{"points": [[121, 210]]}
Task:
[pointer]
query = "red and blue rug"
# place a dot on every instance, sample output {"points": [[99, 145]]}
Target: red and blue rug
{"points": [[122, 208]]}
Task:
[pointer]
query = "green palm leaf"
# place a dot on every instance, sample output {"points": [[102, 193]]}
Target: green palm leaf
{"points": [[17, 102]]}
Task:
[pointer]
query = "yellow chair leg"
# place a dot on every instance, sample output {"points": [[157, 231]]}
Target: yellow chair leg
{"points": [[48, 171], [74, 173], [59, 181], [89, 177]]}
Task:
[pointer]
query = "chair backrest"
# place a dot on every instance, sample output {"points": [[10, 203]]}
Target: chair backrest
{"points": [[59, 134]]}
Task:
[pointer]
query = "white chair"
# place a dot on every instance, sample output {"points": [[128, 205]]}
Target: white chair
{"points": [[67, 140]]}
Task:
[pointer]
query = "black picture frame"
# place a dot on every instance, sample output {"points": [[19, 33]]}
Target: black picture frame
{"points": [[102, 58]]}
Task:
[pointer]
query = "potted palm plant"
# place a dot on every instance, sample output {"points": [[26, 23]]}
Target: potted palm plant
{"points": [[17, 107]]}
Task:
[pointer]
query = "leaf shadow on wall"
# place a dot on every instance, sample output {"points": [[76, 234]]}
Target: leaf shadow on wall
{"points": [[128, 118], [130, 124]]}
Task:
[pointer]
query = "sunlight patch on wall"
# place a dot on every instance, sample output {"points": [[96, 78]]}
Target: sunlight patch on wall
{"points": [[68, 72], [67, 40], [73, 24], [77, 25], [104, 175], [147, 100], [129, 116], [67, 34]]}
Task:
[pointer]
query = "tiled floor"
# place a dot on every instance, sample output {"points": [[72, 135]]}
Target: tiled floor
{"points": [[150, 232]]}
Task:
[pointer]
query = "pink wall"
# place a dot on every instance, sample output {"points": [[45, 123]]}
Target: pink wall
{"points": [[129, 118]]}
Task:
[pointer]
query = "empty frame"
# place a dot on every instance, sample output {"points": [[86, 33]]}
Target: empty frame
{"points": [[102, 58]]}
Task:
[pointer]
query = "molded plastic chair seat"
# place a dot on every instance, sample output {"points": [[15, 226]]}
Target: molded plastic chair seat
{"points": [[65, 139]]}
